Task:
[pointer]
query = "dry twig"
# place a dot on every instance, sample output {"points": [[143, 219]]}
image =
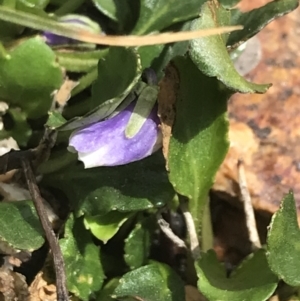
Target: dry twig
{"points": [[194, 241], [166, 229], [248, 208], [62, 292]]}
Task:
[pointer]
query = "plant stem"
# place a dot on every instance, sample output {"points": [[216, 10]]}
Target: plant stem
{"points": [[85, 81], [207, 238]]}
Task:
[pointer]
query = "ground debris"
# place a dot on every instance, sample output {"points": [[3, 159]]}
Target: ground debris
{"points": [[265, 129], [42, 290], [13, 286]]}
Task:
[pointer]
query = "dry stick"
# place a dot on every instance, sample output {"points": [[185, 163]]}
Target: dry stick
{"points": [[194, 241], [62, 292], [248, 208], [166, 229]]}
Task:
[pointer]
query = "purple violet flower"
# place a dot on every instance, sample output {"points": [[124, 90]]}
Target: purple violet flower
{"points": [[104, 143], [78, 21]]}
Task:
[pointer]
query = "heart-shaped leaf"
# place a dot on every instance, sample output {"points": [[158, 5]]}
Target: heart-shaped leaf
{"points": [[82, 260], [158, 283], [29, 76], [138, 243], [251, 281], [256, 19], [199, 139], [20, 227], [119, 11], [156, 15], [137, 186], [210, 54], [104, 227], [284, 242]]}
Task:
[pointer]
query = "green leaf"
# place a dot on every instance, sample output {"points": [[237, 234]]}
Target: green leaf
{"points": [[113, 80], [20, 130], [118, 11], [29, 76], [112, 85], [137, 186], [158, 56], [39, 4], [156, 15], [256, 19], [251, 281], [199, 139], [55, 120], [210, 54], [159, 283], [146, 101], [19, 225], [8, 30], [104, 227], [80, 61], [107, 290], [59, 159], [39, 22], [229, 3], [138, 243], [284, 242], [82, 260]]}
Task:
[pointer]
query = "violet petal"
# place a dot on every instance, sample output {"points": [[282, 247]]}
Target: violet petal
{"points": [[104, 143], [77, 21]]}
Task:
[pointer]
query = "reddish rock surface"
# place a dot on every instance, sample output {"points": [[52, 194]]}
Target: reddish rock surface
{"points": [[265, 129]]}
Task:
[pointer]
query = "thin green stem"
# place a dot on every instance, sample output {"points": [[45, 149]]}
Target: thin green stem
{"points": [[207, 239], [80, 61], [85, 81]]}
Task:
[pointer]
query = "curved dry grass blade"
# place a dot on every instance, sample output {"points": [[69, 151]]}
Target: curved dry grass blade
{"points": [[44, 24], [163, 38]]}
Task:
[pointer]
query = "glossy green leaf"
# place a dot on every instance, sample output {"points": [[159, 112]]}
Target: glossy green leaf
{"points": [[19, 225], [149, 53], [118, 11], [155, 281], [251, 281], [284, 242], [82, 260], [146, 101], [104, 227], [137, 186], [210, 54], [156, 15], [29, 76], [256, 19], [199, 139], [112, 85], [138, 243]]}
